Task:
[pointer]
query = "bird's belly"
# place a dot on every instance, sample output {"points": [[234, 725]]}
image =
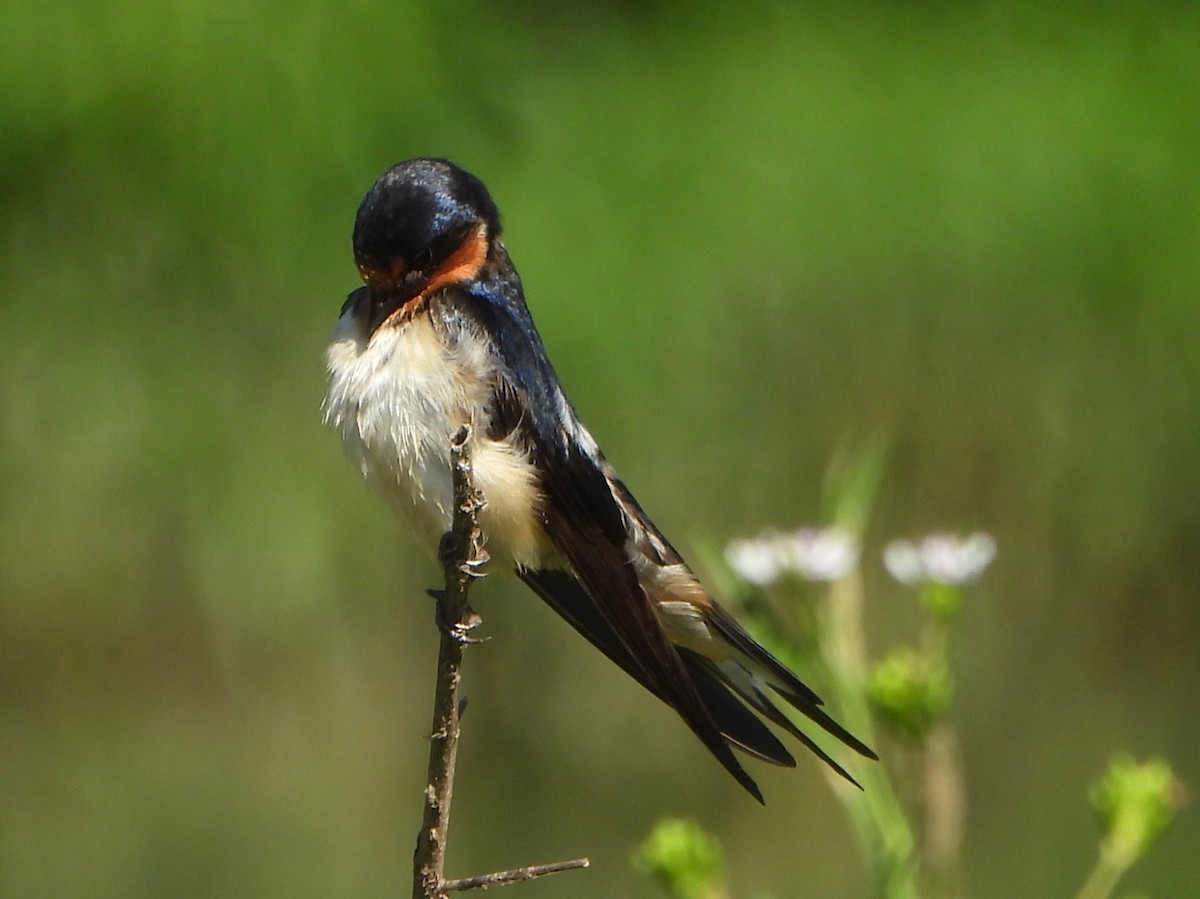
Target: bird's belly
{"points": [[397, 399]]}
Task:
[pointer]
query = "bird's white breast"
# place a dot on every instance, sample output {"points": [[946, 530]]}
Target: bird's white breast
{"points": [[397, 397]]}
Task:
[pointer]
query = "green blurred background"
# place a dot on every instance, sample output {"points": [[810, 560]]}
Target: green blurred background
{"points": [[753, 236]]}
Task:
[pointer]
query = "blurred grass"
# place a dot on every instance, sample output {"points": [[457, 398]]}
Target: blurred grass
{"points": [[749, 237]]}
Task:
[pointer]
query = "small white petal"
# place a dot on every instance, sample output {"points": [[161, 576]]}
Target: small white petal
{"points": [[978, 552], [757, 561], [821, 554], [941, 558], [901, 560]]}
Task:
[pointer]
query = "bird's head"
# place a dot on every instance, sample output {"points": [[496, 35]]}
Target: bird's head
{"points": [[423, 225]]}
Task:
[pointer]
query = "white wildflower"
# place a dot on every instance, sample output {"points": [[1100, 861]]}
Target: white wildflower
{"points": [[821, 554], [940, 558], [812, 553], [758, 561]]}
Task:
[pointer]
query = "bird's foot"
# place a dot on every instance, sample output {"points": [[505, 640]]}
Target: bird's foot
{"points": [[459, 630], [469, 563]]}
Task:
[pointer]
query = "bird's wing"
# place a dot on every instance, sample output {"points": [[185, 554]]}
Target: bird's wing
{"points": [[623, 586], [585, 522]]}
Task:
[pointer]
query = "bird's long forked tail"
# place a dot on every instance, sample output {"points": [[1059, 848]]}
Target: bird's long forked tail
{"points": [[753, 668], [727, 691], [715, 715]]}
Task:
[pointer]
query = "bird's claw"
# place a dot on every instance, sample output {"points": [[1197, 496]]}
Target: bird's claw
{"points": [[478, 558], [460, 631], [469, 563]]}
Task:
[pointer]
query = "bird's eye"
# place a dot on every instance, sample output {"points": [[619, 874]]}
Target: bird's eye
{"points": [[424, 259]]}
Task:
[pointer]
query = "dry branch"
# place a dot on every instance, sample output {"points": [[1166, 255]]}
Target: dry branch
{"points": [[462, 554]]}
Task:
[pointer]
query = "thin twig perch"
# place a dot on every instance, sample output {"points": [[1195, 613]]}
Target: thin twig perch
{"points": [[462, 554], [517, 875]]}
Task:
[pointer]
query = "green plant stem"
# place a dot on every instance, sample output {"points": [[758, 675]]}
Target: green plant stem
{"points": [[942, 789], [879, 819], [943, 811], [1104, 877]]}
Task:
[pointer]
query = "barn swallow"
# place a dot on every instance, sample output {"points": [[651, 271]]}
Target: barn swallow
{"points": [[439, 336]]}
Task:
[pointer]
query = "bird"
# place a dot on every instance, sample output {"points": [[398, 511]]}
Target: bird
{"points": [[439, 336]]}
